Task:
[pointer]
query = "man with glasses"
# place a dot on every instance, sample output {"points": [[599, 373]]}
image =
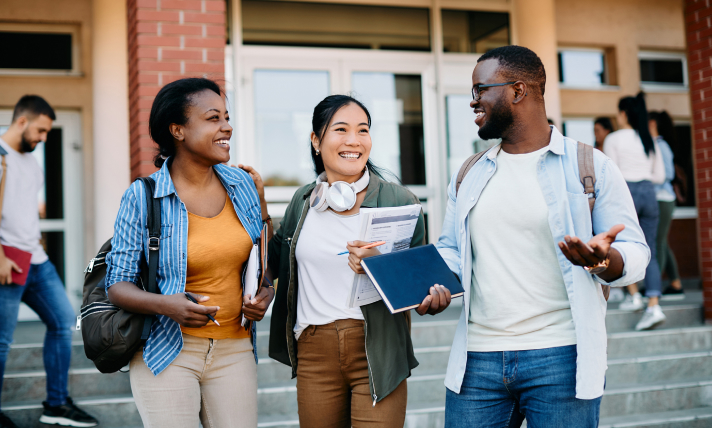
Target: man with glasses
{"points": [[531, 342]]}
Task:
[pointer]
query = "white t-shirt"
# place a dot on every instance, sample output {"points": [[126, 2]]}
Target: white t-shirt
{"points": [[626, 150], [518, 299], [325, 279], [20, 223]]}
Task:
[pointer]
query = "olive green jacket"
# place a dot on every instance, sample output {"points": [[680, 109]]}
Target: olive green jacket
{"points": [[389, 349]]}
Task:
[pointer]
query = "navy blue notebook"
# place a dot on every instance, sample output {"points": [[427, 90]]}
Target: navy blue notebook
{"points": [[403, 278]]}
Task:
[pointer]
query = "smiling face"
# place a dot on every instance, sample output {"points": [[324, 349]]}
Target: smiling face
{"points": [[206, 134], [493, 113], [346, 144]]}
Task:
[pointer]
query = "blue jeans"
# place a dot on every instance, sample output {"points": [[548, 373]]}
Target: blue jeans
{"points": [[44, 293], [500, 389], [646, 206]]}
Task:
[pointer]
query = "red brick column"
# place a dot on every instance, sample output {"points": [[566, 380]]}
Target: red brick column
{"points": [[168, 40], [698, 23]]}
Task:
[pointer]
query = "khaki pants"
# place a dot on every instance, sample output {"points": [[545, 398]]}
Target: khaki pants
{"points": [[332, 381], [214, 381]]}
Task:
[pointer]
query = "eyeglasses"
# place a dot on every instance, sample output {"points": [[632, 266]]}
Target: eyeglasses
{"points": [[476, 88]]}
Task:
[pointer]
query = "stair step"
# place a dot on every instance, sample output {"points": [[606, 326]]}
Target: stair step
{"points": [[655, 397], [111, 411], [659, 368], [83, 382], [662, 341], [677, 316], [28, 356], [691, 418]]}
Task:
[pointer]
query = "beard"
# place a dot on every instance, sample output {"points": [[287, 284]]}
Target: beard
{"points": [[26, 146], [499, 120]]}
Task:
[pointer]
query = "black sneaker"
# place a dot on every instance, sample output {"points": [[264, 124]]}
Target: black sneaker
{"points": [[67, 415], [671, 290], [6, 422]]}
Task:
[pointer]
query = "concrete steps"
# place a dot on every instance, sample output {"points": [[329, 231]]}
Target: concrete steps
{"points": [[660, 378]]}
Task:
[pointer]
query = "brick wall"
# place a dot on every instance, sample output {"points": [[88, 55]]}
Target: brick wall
{"points": [[698, 23], [168, 40]]}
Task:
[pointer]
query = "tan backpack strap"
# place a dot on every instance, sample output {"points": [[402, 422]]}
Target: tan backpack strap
{"points": [[466, 167], [587, 172]]}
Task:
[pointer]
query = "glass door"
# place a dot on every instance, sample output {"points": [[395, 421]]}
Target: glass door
{"points": [[281, 87], [59, 203]]}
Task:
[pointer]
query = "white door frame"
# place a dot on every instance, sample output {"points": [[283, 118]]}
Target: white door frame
{"points": [[73, 191]]}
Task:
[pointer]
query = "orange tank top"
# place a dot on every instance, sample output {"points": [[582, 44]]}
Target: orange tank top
{"points": [[218, 248]]}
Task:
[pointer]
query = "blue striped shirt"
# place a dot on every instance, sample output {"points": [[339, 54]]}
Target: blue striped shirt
{"points": [[131, 234]]}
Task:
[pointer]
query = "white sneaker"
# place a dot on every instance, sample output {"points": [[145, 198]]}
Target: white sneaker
{"points": [[632, 303], [616, 295], [652, 318]]}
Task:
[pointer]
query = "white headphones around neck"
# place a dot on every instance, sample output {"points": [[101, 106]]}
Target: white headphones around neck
{"points": [[340, 196]]}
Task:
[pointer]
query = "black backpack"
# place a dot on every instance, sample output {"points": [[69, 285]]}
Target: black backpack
{"points": [[112, 335]]}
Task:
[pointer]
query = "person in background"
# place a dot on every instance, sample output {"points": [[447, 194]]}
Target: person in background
{"points": [[638, 156], [43, 291], [663, 131], [192, 370], [602, 126], [351, 364]]}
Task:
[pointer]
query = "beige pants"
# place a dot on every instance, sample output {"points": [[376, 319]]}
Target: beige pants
{"points": [[214, 381]]}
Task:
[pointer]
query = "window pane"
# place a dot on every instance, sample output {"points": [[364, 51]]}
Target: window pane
{"points": [[396, 107], [662, 71], [580, 130], [581, 68], [36, 51], [462, 138], [475, 32], [335, 25], [284, 103], [50, 199]]}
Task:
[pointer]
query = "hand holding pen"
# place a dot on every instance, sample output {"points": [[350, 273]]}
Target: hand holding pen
{"points": [[359, 250], [210, 317]]}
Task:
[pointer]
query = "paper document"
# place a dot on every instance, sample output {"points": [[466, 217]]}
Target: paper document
{"points": [[396, 226], [251, 275]]}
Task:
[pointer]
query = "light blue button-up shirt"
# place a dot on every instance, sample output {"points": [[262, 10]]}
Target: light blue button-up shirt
{"points": [[558, 176], [131, 234]]}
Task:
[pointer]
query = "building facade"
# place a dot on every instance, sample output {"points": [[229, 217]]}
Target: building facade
{"points": [[409, 61]]}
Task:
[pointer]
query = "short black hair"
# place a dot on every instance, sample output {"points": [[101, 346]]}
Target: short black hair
{"points": [[171, 106], [519, 63], [605, 122], [32, 106]]}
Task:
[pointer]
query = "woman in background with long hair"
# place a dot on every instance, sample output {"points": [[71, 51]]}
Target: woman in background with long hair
{"points": [[638, 157], [663, 131]]}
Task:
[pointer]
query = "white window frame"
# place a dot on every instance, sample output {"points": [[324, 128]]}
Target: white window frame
{"points": [[599, 87], [664, 87], [72, 30]]}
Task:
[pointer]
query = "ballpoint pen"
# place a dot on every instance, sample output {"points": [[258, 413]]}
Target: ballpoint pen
{"points": [[210, 317], [365, 247]]}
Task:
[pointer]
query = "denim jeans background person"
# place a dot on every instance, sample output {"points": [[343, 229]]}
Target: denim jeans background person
{"points": [[43, 290], [519, 234]]}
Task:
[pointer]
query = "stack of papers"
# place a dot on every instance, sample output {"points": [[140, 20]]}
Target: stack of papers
{"points": [[395, 226]]}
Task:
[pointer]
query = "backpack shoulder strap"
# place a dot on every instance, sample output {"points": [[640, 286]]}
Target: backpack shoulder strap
{"points": [[153, 222], [466, 167], [587, 173]]}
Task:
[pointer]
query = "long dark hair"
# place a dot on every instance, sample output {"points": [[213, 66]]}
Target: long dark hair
{"points": [[323, 114], [637, 115], [666, 129], [171, 106]]}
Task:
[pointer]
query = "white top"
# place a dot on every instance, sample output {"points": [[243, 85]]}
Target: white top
{"points": [[20, 223], [325, 279], [518, 299], [625, 148]]}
